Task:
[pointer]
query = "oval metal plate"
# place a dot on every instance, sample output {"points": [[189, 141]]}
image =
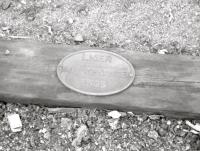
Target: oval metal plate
{"points": [[96, 72]]}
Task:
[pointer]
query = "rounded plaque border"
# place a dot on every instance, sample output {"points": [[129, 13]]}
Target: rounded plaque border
{"points": [[91, 93]]}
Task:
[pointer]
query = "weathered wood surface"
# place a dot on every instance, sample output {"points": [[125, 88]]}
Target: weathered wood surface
{"points": [[163, 83]]}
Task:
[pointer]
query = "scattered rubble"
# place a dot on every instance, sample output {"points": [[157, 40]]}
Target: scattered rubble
{"points": [[114, 114], [47, 135], [194, 132], [162, 51], [7, 52], [113, 123], [153, 134], [49, 29], [23, 2], [5, 28], [78, 38], [169, 122], [5, 4], [162, 132], [66, 123], [155, 117], [44, 130], [14, 122], [195, 128], [70, 21], [81, 133]]}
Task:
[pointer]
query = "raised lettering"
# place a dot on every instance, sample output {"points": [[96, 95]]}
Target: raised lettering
{"points": [[97, 57]]}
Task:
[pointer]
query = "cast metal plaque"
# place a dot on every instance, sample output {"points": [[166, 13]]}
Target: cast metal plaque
{"points": [[95, 72]]}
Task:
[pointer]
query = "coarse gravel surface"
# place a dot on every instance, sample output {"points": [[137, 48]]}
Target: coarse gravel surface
{"points": [[92, 129]]}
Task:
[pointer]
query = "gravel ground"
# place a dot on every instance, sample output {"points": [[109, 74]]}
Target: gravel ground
{"points": [[92, 129], [171, 26]]}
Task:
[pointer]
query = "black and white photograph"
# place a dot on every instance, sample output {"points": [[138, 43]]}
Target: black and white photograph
{"points": [[99, 75]]}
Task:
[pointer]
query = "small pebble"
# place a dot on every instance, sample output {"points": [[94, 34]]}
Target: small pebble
{"points": [[196, 126], [14, 122], [134, 148], [124, 126], [169, 122], [23, 2], [5, 28], [44, 130], [154, 117], [30, 14], [164, 126], [183, 133], [162, 132], [78, 149], [153, 134], [49, 29], [103, 148], [178, 139], [145, 130], [187, 147], [123, 114], [179, 122], [194, 54], [128, 41], [5, 4], [47, 135], [80, 134], [162, 149], [30, 17], [66, 123], [130, 113], [78, 38], [114, 114], [113, 123], [70, 21], [162, 51], [140, 119], [7, 52], [194, 132], [177, 127]]}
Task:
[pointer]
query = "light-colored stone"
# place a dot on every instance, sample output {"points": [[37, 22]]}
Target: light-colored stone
{"points": [[78, 38], [113, 123], [47, 135], [66, 123], [162, 51], [14, 122], [7, 52], [154, 117], [80, 134], [196, 127], [153, 134], [114, 114], [70, 21], [44, 130], [5, 28], [169, 122]]}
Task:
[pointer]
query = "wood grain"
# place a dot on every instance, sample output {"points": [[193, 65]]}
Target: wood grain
{"points": [[163, 84]]}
